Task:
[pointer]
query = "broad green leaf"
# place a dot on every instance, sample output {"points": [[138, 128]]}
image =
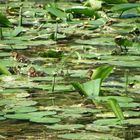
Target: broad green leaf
{"points": [[79, 87], [79, 110], [7, 102], [89, 89], [3, 70], [98, 128], [133, 121], [25, 109], [109, 122], [52, 54], [1, 113], [82, 10], [88, 136], [65, 115], [96, 23], [17, 31], [20, 116], [102, 72], [129, 105], [115, 1], [4, 22], [131, 113], [120, 99], [92, 88], [2, 118], [47, 120], [125, 7], [116, 108], [57, 12], [41, 113], [65, 126], [21, 109], [25, 103]]}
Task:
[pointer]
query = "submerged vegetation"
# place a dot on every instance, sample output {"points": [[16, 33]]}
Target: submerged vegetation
{"points": [[70, 69]]}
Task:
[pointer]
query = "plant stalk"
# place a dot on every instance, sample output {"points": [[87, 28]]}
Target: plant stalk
{"points": [[1, 34], [126, 80], [20, 15]]}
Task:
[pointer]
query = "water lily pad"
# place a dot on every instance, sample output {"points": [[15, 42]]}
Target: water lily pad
{"points": [[46, 120], [41, 113], [134, 121], [68, 115], [1, 113], [98, 128], [79, 110], [96, 41], [7, 101], [20, 116], [57, 87], [25, 103], [2, 118], [14, 92], [88, 136], [4, 54], [131, 113], [129, 105], [108, 122], [65, 126], [25, 109], [118, 98], [48, 78]]}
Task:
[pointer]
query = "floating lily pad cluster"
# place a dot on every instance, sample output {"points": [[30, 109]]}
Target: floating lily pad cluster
{"points": [[90, 48]]}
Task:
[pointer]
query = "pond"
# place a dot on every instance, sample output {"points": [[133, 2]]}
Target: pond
{"points": [[47, 60]]}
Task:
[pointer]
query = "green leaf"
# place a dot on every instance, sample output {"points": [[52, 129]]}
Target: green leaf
{"points": [[4, 22], [92, 88], [82, 10], [52, 54], [94, 24], [55, 11], [48, 120], [2, 118], [133, 121], [116, 108], [41, 113], [115, 1], [3, 70], [88, 136], [79, 88], [89, 89], [102, 72], [65, 126], [109, 122], [17, 31], [120, 99], [20, 116], [24, 109], [125, 7], [98, 128]]}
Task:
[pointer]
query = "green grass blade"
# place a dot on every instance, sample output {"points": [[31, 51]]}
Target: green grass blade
{"points": [[124, 7], [113, 103], [79, 88], [102, 72], [3, 70]]}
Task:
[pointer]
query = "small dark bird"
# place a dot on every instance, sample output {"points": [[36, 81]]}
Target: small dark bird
{"points": [[34, 73], [122, 41], [15, 70], [135, 31], [20, 58]]}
